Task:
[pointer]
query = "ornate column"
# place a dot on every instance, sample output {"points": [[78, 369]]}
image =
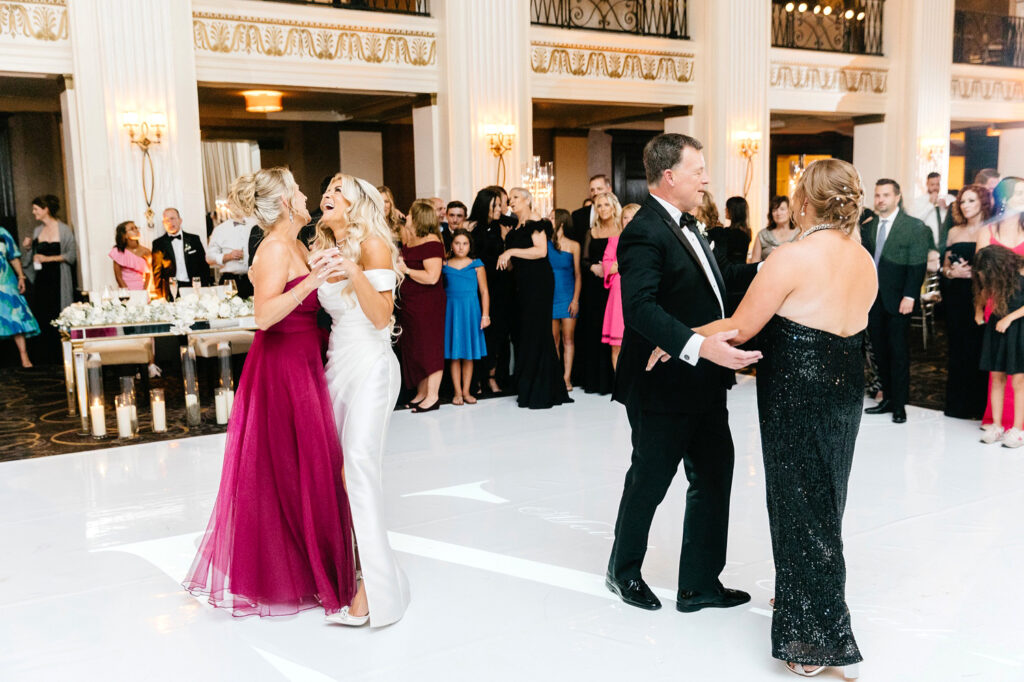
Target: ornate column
{"points": [[919, 40], [484, 53], [736, 99], [130, 55]]}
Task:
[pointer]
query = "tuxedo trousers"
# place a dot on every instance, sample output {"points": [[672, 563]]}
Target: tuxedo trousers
{"points": [[661, 441], [890, 340]]}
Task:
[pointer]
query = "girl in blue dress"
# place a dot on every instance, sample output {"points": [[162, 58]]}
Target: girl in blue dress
{"points": [[467, 314], [16, 319]]}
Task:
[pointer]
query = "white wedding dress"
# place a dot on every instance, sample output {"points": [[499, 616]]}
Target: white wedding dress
{"points": [[363, 380]]}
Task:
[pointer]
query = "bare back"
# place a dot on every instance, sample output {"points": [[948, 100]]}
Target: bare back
{"points": [[833, 282]]}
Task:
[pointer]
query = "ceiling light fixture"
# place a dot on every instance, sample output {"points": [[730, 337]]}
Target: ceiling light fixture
{"points": [[262, 101]]}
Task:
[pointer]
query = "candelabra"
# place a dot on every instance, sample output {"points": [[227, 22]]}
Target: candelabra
{"points": [[539, 179], [145, 134], [750, 145]]}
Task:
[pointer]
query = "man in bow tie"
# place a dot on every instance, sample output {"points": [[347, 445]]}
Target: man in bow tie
{"points": [[178, 255], [229, 248], [671, 284]]}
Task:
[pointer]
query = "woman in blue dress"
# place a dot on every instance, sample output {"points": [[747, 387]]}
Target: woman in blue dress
{"points": [[564, 256], [16, 319], [467, 314]]}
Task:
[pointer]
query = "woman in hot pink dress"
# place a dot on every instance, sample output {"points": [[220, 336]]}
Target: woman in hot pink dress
{"points": [[280, 536], [132, 268], [614, 325], [1008, 232]]}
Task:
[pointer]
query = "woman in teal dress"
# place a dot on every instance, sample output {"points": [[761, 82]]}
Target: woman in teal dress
{"points": [[15, 318]]}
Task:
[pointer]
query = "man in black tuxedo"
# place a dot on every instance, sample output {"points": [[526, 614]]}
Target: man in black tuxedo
{"points": [[671, 284], [582, 217], [899, 243], [178, 255]]}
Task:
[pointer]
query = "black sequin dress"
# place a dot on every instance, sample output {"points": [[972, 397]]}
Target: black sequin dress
{"points": [[810, 388]]}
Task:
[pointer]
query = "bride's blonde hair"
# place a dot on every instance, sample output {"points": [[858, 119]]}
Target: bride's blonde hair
{"points": [[365, 218]]}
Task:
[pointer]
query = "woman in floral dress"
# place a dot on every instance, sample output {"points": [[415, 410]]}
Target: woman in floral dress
{"points": [[16, 319]]}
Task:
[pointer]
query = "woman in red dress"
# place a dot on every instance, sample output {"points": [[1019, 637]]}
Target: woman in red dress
{"points": [[421, 304], [280, 536]]}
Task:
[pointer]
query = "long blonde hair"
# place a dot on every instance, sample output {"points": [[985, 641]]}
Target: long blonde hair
{"points": [[616, 210], [365, 219]]}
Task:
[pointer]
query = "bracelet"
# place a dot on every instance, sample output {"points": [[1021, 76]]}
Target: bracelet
{"points": [[297, 299]]}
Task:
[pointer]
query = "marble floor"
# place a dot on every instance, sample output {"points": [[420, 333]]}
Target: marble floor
{"points": [[503, 519]]}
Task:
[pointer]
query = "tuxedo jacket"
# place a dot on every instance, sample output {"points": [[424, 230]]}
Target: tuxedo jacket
{"points": [[165, 268], [665, 294], [904, 258], [580, 224]]}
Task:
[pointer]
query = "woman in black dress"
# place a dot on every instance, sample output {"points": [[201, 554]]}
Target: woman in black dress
{"points": [[809, 304], [48, 260], [538, 374], [966, 384], [733, 241], [488, 243], [594, 372]]}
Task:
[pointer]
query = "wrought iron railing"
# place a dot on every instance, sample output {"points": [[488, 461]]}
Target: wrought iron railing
{"points": [[990, 39], [853, 26], [665, 18], [398, 6]]}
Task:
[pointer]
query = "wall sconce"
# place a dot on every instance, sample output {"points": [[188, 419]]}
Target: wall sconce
{"points": [[262, 101], [499, 140], [144, 134], [933, 150], [750, 145]]}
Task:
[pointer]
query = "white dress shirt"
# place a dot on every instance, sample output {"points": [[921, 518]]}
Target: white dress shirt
{"points": [[924, 210], [178, 246], [231, 235], [691, 351]]}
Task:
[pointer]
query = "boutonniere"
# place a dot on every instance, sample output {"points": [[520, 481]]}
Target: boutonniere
{"points": [[703, 229], [189, 250]]}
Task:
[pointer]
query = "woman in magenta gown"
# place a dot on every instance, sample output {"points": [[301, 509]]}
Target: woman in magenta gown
{"points": [[280, 536]]}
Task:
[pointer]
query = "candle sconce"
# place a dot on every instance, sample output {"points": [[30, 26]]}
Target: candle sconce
{"points": [[499, 141], [144, 134]]}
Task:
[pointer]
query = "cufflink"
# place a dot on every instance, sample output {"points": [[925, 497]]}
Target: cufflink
{"points": [[686, 357]]}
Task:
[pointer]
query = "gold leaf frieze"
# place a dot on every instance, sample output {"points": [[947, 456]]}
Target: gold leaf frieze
{"points": [[272, 38], [987, 89], [35, 19], [609, 62], [823, 78]]}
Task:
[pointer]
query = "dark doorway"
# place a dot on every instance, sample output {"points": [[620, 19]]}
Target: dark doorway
{"points": [[628, 176]]}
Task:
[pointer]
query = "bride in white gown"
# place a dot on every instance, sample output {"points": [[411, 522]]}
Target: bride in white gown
{"points": [[363, 381]]}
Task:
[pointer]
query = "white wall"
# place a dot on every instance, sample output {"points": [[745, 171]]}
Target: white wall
{"points": [[1011, 152], [362, 155]]}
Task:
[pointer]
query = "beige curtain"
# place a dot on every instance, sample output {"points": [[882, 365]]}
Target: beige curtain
{"points": [[223, 161]]}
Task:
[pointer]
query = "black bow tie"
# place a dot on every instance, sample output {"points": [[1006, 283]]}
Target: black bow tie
{"points": [[173, 237], [238, 222], [687, 221]]}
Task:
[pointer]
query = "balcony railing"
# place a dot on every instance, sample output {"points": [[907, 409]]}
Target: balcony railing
{"points": [[851, 26], [990, 39], [398, 6], [664, 18]]}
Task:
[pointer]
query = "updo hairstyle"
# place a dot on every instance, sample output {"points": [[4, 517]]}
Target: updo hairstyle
{"points": [[833, 188], [260, 194]]}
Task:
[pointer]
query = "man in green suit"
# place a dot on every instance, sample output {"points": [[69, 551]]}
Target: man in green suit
{"points": [[899, 243]]}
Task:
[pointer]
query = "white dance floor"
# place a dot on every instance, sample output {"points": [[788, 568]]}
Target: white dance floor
{"points": [[503, 521]]}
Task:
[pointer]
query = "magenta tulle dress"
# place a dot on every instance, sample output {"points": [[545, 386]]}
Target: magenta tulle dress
{"points": [[280, 536]]}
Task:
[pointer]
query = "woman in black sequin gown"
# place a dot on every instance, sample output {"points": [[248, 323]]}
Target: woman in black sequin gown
{"points": [[809, 306]]}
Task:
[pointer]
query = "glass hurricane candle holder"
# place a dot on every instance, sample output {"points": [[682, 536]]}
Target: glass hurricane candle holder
{"points": [[97, 404], [188, 372], [159, 408]]}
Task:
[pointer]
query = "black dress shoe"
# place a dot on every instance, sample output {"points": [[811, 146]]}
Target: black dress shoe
{"points": [[688, 601], [880, 408], [899, 415], [633, 591], [419, 409]]}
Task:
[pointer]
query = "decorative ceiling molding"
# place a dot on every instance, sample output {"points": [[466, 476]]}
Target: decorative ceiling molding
{"points": [[987, 89], [45, 20], [282, 38], [828, 79], [591, 61]]}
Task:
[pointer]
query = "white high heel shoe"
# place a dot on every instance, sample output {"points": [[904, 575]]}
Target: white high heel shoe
{"points": [[850, 672], [343, 617]]}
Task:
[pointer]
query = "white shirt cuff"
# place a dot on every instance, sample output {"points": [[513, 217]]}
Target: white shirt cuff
{"points": [[760, 265], [909, 298], [691, 351], [218, 256]]}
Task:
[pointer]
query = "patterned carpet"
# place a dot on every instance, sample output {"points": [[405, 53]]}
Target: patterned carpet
{"points": [[35, 421]]}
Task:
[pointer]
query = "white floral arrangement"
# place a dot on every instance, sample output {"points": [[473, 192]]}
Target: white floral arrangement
{"points": [[181, 314]]}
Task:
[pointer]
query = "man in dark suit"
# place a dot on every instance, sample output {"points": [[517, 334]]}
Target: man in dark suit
{"points": [[671, 284], [899, 243], [178, 255], [582, 217]]}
